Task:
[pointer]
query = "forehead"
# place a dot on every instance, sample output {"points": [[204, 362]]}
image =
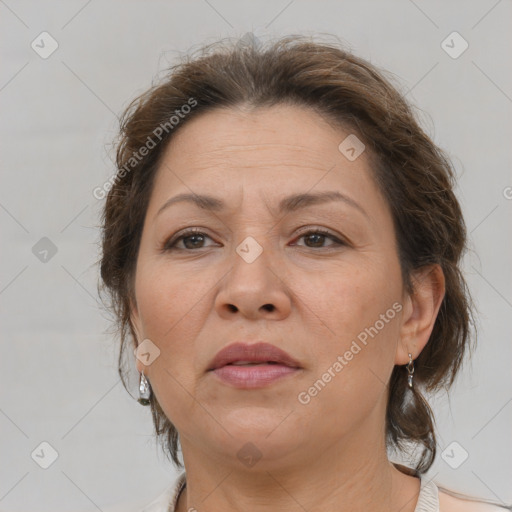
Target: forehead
{"points": [[257, 136], [267, 152]]}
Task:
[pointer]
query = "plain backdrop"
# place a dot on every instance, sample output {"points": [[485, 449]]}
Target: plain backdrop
{"points": [[58, 379]]}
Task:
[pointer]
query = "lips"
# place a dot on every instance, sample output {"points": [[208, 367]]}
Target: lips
{"points": [[252, 366], [247, 355]]}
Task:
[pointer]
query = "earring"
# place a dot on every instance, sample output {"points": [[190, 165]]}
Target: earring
{"points": [[144, 390], [410, 371]]}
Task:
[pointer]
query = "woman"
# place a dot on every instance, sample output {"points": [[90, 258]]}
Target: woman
{"points": [[281, 245]]}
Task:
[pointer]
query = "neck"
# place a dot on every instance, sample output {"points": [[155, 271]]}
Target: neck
{"points": [[352, 475]]}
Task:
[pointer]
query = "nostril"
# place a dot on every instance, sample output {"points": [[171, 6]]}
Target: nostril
{"points": [[232, 308], [268, 307]]}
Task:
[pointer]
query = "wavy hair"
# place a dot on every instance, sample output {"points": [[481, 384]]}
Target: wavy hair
{"points": [[414, 175]]}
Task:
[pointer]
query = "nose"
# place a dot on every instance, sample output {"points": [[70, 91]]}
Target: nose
{"points": [[254, 290]]}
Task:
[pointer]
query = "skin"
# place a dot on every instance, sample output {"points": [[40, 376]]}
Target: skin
{"points": [[330, 453]]}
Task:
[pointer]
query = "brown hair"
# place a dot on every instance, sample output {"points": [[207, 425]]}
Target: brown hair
{"points": [[414, 175]]}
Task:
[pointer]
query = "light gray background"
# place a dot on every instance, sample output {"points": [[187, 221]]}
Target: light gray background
{"points": [[58, 380]]}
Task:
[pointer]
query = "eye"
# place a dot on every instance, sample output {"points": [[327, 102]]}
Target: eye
{"points": [[315, 238], [192, 239], [195, 239]]}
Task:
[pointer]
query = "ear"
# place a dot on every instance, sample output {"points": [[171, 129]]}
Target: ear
{"points": [[420, 312], [137, 327]]}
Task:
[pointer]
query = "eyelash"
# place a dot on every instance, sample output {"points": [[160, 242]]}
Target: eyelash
{"points": [[170, 245]]}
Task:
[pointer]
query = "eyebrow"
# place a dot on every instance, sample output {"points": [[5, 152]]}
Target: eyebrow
{"points": [[288, 204]]}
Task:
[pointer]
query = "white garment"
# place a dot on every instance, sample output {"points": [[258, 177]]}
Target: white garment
{"points": [[428, 499]]}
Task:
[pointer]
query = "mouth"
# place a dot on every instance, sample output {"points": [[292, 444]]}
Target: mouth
{"points": [[249, 363], [250, 366]]}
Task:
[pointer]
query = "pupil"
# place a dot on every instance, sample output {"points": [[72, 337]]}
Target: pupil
{"points": [[196, 237], [319, 239]]}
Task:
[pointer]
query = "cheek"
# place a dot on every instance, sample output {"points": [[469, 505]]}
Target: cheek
{"points": [[167, 301], [350, 298], [354, 361], [357, 311], [170, 309], [171, 312]]}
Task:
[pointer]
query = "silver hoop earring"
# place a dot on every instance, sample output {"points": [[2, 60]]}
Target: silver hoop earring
{"points": [[410, 371], [144, 390]]}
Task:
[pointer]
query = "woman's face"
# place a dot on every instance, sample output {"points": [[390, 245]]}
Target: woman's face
{"points": [[333, 302]]}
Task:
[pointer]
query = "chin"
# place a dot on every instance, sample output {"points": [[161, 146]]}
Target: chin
{"points": [[254, 421], [269, 430]]}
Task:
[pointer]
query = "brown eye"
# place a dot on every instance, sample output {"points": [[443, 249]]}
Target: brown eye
{"points": [[193, 241], [316, 239], [189, 240]]}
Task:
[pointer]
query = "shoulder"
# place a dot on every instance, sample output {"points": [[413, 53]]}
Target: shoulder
{"points": [[451, 503]]}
